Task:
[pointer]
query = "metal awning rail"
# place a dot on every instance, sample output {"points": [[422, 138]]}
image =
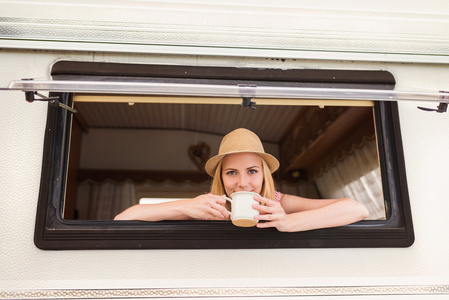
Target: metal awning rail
{"points": [[211, 90]]}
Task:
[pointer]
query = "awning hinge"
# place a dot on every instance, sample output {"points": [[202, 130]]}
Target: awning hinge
{"points": [[442, 107], [248, 91], [53, 101], [247, 103]]}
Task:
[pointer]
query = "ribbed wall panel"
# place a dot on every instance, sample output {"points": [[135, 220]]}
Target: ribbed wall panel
{"points": [[270, 122], [212, 27]]}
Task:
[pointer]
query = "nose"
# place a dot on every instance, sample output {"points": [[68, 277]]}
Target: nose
{"points": [[243, 181]]}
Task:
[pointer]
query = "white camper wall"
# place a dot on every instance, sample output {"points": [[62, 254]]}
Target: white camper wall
{"points": [[416, 59], [426, 143]]}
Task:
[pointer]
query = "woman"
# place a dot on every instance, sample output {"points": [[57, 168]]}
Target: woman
{"points": [[243, 165]]}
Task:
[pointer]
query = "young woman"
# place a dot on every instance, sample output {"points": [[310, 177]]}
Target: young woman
{"points": [[243, 165]]}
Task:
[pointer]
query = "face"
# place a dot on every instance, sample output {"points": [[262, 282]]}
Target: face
{"points": [[242, 172]]}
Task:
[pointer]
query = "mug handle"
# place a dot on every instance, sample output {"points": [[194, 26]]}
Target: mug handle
{"points": [[230, 200]]}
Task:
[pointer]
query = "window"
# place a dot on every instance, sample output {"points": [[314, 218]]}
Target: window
{"points": [[119, 148]]}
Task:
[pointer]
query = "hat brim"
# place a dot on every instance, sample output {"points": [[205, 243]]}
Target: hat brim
{"points": [[212, 163]]}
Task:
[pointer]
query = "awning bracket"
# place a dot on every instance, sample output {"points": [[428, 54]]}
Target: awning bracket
{"points": [[442, 107], [247, 103], [248, 92], [53, 101]]}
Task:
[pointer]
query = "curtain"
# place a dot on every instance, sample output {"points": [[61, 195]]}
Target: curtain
{"points": [[103, 201], [357, 176]]}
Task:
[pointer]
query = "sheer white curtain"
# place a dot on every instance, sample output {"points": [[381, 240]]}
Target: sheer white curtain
{"points": [[103, 201], [356, 176]]}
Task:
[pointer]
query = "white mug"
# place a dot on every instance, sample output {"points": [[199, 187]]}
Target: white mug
{"points": [[242, 212]]}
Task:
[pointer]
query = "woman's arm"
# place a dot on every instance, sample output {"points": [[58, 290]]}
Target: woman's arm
{"points": [[299, 214], [206, 206]]}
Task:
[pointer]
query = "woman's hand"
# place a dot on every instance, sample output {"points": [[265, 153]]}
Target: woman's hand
{"points": [[207, 207], [300, 214], [273, 213], [203, 207]]}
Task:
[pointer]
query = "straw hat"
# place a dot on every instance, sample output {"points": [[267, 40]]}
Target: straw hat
{"points": [[238, 141]]}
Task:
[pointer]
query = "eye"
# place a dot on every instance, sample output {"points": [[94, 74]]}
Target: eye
{"points": [[252, 171], [231, 173]]}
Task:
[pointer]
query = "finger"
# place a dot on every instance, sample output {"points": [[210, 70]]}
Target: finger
{"points": [[263, 209], [264, 200], [216, 199], [214, 204], [266, 224], [265, 217], [215, 212], [222, 210], [220, 199]]}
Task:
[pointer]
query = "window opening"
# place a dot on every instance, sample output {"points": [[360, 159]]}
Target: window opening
{"points": [[62, 223], [325, 151]]}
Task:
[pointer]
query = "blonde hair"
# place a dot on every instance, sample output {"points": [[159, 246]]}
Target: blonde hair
{"points": [[268, 189]]}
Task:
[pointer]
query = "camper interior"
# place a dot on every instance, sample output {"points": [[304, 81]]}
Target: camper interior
{"points": [[122, 152]]}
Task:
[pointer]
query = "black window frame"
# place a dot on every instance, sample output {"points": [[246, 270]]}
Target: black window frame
{"points": [[52, 232]]}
